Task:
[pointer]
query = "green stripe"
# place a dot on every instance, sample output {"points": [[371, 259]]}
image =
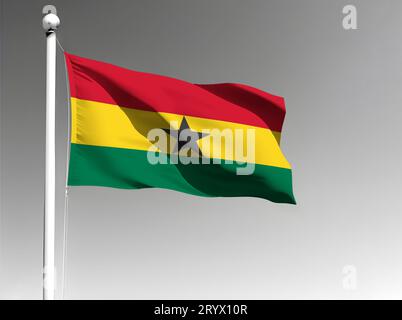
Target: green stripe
{"points": [[130, 169]]}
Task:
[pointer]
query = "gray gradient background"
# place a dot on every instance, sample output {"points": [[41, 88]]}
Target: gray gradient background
{"points": [[342, 135]]}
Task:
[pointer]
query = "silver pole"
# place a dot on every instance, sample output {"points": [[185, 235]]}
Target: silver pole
{"points": [[50, 23]]}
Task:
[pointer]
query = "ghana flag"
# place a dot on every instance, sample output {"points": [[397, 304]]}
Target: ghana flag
{"points": [[136, 130]]}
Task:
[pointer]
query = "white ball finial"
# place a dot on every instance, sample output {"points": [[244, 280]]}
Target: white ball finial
{"points": [[50, 22]]}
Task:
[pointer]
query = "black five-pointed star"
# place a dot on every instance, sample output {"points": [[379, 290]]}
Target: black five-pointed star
{"points": [[189, 139]]}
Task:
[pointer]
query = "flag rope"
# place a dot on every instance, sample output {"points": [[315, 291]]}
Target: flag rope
{"points": [[66, 188], [61, 48]]}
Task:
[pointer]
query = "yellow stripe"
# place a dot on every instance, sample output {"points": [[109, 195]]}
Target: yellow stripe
{"points": [[101, 124]]}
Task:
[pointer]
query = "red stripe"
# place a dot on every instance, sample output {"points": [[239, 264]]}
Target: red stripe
{"points": [[103, 82]]}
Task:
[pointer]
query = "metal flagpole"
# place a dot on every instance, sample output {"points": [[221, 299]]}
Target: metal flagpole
{"points": [[50, 23]]}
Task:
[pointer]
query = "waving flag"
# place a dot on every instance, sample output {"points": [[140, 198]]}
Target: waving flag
{"points": [[136, 130]]}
